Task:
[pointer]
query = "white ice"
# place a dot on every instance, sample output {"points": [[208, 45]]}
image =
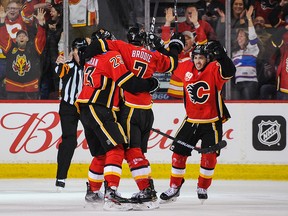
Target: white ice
{"points": [[33, 197]]}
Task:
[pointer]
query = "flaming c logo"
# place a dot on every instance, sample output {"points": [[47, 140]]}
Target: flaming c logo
{"points": [[21, 65]]}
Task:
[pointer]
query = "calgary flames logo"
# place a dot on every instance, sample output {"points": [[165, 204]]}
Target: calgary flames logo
{"points": [[21, 65], [199, 92]]}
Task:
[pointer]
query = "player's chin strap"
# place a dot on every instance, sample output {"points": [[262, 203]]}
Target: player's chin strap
{"points": [[211, 149]]}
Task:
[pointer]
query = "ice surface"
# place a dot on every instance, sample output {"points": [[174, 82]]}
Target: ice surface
{"points": [[33, 197]]}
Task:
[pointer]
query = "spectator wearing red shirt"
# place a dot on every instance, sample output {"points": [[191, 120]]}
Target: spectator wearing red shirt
{"points": [[188, 25]]}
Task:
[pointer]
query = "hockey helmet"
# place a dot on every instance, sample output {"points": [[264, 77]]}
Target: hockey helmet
{"points": [[102, 34], [80, 44], [202, 50], [136, 36]]}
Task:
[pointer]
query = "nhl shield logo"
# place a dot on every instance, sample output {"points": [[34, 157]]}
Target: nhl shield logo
{"points": [[269, 133]]}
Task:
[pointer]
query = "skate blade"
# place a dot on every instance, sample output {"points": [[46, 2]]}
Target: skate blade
{"points": [[94, 204], [97, 206], [145, 206], [173, 199], [202, 201], [111, 206], [59, 189]]}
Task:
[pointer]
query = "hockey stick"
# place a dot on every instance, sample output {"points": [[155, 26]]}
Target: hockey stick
{"points": [[176, 16], [152, 27], [214, 148]]}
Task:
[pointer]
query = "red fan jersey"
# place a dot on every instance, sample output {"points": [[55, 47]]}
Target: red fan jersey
{"points": [[102, 76], [202, 90], [282, 70], [143, 63], [23, 64]]}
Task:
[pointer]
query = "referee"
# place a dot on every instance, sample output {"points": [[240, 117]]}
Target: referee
{"points": [[71, 73]]}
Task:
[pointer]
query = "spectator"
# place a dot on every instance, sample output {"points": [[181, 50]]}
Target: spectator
{"points": [[244, 57], [49, 87], [13, 22], [280, 42], [237, 20], [23, 60], [265, 67], [209, 11], [188, 24], [263, 8]]}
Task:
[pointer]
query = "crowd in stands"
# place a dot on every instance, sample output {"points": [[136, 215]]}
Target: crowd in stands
{"points": [[30, 45]]}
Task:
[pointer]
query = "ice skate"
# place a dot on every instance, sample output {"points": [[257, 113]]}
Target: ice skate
{"points": [[171, 194], [93, 197], [202, 194], [60, 184], [145, 200], [113, 201]]}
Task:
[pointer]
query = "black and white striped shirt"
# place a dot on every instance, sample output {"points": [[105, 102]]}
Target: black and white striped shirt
{"points": [[72, 79]]}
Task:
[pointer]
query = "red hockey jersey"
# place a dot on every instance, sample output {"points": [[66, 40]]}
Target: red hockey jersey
{"points": [[202, 98], [143, 63], [103, 75]]}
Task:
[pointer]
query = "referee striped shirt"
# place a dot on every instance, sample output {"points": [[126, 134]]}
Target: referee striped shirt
{"points": [[72, 79]]}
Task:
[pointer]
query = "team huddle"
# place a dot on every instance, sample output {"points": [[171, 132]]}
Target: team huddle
{"points": [[112, 97]]}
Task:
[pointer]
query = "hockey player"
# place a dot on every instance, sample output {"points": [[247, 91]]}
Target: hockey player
{"points": [[203, 79], [136, 115], [71, 73], [104, 73]]}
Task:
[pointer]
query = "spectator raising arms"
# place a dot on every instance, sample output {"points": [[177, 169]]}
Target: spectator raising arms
{"points": [[54, 28], [237, 20], [23, 60], [188, 24], [244, 57], [14, 20]]}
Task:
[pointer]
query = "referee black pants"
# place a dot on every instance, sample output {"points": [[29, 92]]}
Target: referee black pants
{"points": [[69, 118]]}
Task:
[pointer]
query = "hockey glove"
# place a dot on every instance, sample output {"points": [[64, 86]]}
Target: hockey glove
{"points": [[177, 41], [216, 49], [102, 34], [154, 41], [154, 84]]}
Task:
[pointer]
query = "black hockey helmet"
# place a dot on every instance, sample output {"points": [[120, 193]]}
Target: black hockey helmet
{"points": [[202, 50], [102, 34], [136, 36], [80, 44]]}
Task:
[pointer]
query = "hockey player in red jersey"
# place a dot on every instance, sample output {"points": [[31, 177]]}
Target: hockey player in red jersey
{"points": [[104, 74], [136, 115], [203, 78]]}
